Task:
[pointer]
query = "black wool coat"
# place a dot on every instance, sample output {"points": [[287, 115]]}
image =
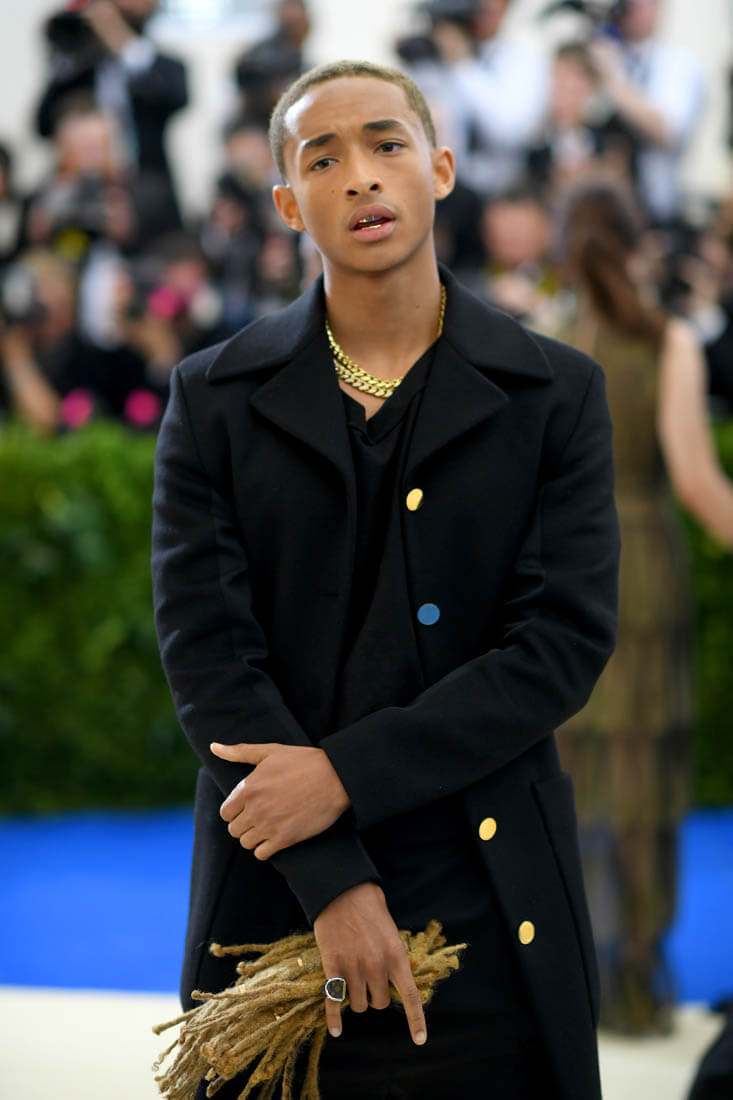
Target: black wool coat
{"points": [[515, 542]]}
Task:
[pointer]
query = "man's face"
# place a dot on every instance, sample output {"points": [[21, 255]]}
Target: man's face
{"points": [[639, 20], [362, 177], [85, 146]]}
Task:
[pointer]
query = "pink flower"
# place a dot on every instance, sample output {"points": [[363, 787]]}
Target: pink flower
{"points": [[76, 408], [142, 408]]}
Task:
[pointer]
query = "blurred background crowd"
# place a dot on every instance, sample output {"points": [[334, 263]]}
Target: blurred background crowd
{"points": [[570, 212], [105, 284]]}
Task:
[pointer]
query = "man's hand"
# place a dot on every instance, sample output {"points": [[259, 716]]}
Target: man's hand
{"points": [[109, 24], [359, 941], [292, 794]]}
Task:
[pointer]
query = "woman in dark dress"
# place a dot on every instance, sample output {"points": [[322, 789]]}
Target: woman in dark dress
{"points": [[628, 749]]}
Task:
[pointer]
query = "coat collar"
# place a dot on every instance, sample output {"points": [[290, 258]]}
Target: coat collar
{"points": [[485, 337], [480, 347]]}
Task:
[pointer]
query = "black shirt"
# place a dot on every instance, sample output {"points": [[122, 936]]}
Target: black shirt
{"points": [[427, 857]]}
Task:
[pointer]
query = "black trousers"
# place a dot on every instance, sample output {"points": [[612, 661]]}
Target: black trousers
{"points": [[375, 1059]]}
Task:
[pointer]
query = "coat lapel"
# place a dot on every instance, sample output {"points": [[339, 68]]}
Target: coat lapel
{"points": [[304, 399], [456, 399], [299, 392], [479, 348]]}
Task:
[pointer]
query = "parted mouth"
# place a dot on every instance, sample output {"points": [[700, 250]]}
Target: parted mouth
{"points": [[370, 216]]}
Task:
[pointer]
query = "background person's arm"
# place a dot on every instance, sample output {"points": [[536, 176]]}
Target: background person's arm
{"points": [[33, 398], [684, 433]]}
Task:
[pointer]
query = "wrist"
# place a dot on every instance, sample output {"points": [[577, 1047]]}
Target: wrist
{"points": [[342, 802], [360, 892]]}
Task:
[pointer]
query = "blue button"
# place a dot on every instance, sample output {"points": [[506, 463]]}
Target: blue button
{"points": [[428, 614]]}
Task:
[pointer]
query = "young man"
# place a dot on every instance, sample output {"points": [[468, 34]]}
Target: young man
{"points": [[376, 608]]}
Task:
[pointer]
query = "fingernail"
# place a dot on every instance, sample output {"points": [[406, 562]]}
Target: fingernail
{"points": [[420, 1037], [335, 1031]]}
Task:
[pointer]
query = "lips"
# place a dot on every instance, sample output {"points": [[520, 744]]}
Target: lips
{"points": [[371, 224], [369, 218]]}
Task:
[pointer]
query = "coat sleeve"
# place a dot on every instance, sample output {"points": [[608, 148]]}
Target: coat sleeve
{"points": [[213, 650], [558, 631]]}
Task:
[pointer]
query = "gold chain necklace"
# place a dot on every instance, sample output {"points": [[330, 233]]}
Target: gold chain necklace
{"points": [[350, 372]]}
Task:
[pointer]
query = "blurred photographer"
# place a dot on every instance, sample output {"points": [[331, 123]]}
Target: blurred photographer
{"points": [[88, 197], [51, 376], [233, 232], [489, 92], [167, 307], [97, 50], [658, 90], [28, 317], [576, 141], [263, 72]]}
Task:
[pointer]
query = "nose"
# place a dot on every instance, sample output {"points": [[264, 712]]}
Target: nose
{"points": [[362, 177]]}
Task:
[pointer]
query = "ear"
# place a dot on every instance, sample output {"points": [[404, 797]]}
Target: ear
{"points": [[444, 172], [287, 207]]}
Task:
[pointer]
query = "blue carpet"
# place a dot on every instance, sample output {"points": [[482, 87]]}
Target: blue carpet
{"points": [[94, 900], [700, 943], [98, 901]]}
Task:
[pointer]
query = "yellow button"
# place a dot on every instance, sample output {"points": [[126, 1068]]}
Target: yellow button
{"points": [[526, 932], [487, 828], [414, 499]]}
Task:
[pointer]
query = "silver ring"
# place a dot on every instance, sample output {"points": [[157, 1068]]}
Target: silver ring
{"points": [[335, 989]]}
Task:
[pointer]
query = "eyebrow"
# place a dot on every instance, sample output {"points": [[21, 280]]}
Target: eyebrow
{"points": [[316, 142], [385, 124], [378, 125]]}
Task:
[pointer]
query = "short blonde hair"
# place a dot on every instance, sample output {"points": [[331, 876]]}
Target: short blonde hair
{"points": [[335, 70]]}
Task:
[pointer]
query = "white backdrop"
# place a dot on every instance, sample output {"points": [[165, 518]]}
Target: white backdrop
{"points": [[341, 29]]}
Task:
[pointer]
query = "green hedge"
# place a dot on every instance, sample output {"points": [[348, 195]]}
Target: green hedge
{"points": [[85, 715], [712, 575]]}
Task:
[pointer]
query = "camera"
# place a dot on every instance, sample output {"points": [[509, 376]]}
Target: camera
{"points": [[452, 11], [415, 48], [83, 206], [265, 63], [71, 35]]}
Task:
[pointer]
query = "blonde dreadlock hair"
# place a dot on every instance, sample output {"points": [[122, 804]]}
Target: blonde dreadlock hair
{"points": [[274, 1008]]}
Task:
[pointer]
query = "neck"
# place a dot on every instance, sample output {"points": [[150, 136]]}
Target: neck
{"points": [[384, 320]]}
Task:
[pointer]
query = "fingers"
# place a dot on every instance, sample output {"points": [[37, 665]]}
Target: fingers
{"points": [[404, 983], [357, 988], [265, 849], [363, 993], [333, 1018], [240, 754], [378, 991], [233, 804]]}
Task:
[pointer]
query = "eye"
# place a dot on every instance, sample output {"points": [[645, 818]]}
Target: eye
{"points": [[319, 165], [390, 146]]}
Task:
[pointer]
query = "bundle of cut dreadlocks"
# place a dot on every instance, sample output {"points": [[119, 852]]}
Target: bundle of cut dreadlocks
{"points": [[275, 1007]]}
